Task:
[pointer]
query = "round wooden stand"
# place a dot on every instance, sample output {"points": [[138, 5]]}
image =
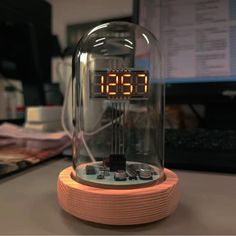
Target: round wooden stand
{"points": [[118, 206]]}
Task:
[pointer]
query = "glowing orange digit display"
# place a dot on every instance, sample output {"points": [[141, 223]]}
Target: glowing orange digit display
{"points": [[120, 84], [144, 81], [112, 84], [145, 84], [126, 84], [102, 84]]}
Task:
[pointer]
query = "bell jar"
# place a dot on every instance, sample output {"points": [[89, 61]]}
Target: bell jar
{"points": [[118, 107]]}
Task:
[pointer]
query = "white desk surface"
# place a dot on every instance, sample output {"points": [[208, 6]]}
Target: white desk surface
{"points": [[28, 205]]}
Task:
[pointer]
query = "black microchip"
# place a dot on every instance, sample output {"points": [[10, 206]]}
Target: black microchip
{"points": [[117, 162], [90, 170]]}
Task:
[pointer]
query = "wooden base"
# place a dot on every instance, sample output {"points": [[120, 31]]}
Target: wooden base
{"points": [[118, 207]]}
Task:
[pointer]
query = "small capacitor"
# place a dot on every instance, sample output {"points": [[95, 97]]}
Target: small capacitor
{"points": [[120, 175]]}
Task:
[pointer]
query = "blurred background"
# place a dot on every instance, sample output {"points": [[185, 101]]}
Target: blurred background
{"points": [[38, 37], [36, 44]]}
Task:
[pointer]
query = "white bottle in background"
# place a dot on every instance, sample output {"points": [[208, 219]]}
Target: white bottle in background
{"points": [[10, 102]]}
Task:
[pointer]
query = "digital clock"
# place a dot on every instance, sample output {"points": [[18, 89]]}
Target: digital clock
{"points": [[120, 84]]}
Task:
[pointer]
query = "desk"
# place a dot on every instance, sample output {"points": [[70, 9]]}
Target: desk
{"points": [[28, 205]]}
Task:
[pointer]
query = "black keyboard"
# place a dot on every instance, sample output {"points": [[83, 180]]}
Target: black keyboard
{"points": [[200, 149]]}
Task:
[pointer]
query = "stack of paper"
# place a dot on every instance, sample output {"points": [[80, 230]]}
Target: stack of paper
{"points": [[20, 146], [44, 118]]}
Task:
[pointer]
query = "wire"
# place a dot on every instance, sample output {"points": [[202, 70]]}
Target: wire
{"points": [[103, 127], [86, 147], [63, 113], [63, 121], [58, 69], [81, 133]]}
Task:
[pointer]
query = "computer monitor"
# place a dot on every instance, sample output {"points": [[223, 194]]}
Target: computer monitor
{"points": [[198, 45], [25, 46]]}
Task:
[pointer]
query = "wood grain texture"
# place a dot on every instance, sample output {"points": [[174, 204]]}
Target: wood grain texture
{"points": [[118, 207]]}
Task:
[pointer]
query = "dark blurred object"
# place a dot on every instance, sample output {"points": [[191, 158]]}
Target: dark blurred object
{"points": [[69, 51], [25, 45], [53, 94], [56, 47], [201, 149], [11, 101]]}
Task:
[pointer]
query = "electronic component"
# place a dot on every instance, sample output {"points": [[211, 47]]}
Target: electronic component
{"points": [[131, 172], [117, 162], [119, 84], [101, 175], [145, 174], [120, 175], [105, 170], [135, 167], [90, 170], [133, 177], [106, 161]]}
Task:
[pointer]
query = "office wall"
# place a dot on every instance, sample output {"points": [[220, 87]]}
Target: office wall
{"points": [[80, 11]]}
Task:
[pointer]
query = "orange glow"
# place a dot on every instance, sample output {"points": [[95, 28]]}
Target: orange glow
{"points": [[130, 89], [102, 85], [108, 88], [122, 84], [112, 84], [142, 75], [145, 79], [126, 75]]}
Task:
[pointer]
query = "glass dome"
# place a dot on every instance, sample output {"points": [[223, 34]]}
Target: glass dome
{"points": [[118, 107]]}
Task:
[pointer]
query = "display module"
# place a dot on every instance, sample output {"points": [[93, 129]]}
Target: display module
{"points": [[120, 84]]}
